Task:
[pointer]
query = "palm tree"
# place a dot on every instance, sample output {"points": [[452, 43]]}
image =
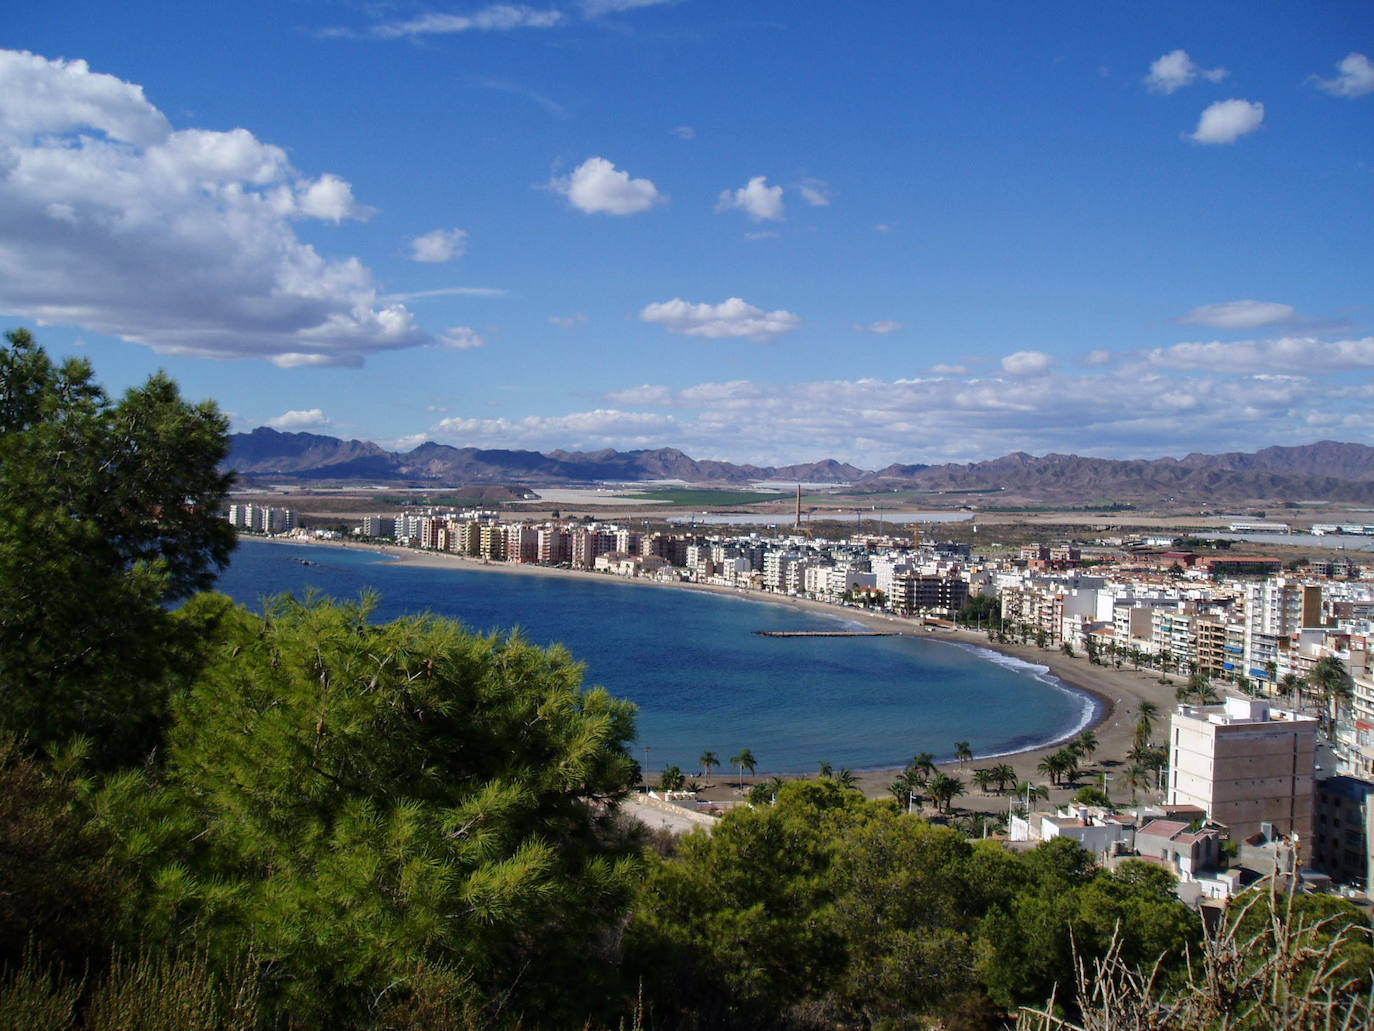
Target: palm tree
{"points": [[944, 789], [1086, 744], [709, 761], [1050, 766], [1146, 714], [1333, 687], [923, 765], [1004, 774], [1199, 688], [962, 752], [671, 779], [745, 761], [1290, 684], [906, 791], [847, 778], [984, 779], [825, 769], [1032, 793], [1135, 777], [765, 792]]}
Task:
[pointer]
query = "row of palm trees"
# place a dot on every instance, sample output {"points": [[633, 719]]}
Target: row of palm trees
{"points": [[921, 779], [744, 761]]}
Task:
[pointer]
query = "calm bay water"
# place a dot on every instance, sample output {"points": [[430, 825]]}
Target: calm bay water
{"points": [[700, 676]]}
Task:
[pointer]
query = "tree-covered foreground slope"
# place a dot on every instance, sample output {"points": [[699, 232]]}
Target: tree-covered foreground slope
{"points": [[108, 511], [217, 819]]}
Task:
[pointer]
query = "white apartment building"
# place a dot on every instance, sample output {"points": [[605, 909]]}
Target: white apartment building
{"points": [[1248, 764], [775, 567]]}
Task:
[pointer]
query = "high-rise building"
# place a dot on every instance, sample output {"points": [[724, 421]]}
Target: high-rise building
{"points": [[1248, 764]]}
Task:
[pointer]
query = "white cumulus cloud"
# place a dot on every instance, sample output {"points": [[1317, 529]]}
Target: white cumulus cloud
{"points": [[597, 187], [439, 245], [1356, 77], [1027, 363], [756, 199], [1227, 121], [299, 419], [330, 199], [181, 240], [1175, 70], [42, 96], [1239, 314], [730, 318]]}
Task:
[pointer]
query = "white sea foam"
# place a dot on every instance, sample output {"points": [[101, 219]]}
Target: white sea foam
{"points": [[1090, 707]]}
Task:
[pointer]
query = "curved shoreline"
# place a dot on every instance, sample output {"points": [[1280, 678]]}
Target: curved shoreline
{"points": [[1113, 692]]}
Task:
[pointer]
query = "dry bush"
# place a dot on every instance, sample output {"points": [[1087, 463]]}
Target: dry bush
{"points": [[1292, 974]]}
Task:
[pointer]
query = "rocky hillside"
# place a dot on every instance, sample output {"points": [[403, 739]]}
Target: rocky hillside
{"points": [[1325, 471]]}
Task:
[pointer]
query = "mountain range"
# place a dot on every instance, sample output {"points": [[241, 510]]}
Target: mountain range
{"points": [[1324, 471]]}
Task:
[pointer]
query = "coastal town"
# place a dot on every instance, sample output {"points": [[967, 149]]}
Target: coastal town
{"points": [[652, 515], [1256, 671]]}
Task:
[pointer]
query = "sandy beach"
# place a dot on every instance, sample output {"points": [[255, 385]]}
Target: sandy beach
{"points": [[1119, 691]]}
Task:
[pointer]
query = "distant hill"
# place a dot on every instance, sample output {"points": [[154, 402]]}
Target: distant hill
{"points": [[270, 453], [1324, 471]]}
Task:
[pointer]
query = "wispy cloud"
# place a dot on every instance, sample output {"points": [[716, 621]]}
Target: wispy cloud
{"points": [[949, 415], [447, 291], [461, 338], [598, 8], [515, 89], [494, 18], [882, 326], [1239, 314], [439, 245], [1280, 356], [815, 192]]}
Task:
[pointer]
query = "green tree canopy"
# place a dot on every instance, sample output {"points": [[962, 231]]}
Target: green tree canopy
{"points": [[108, 512], [365, 803]]}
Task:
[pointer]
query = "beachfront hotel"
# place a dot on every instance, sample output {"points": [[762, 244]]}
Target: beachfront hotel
{"points": [[1248, 764]]}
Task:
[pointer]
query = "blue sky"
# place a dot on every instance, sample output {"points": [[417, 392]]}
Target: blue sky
{"points": [[766, 232]]}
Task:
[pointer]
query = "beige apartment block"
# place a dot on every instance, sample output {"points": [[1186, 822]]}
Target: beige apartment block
{"points": [[1247, 763]]}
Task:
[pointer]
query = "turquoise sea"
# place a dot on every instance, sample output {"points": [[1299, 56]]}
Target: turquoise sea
{"points": [[700, 675]]}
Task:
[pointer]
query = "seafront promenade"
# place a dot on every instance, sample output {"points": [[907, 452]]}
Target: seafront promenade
{"points": [[1119, 691]]}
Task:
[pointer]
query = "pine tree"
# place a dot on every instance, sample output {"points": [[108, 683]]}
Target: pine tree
{"points": [[109, 511]]}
